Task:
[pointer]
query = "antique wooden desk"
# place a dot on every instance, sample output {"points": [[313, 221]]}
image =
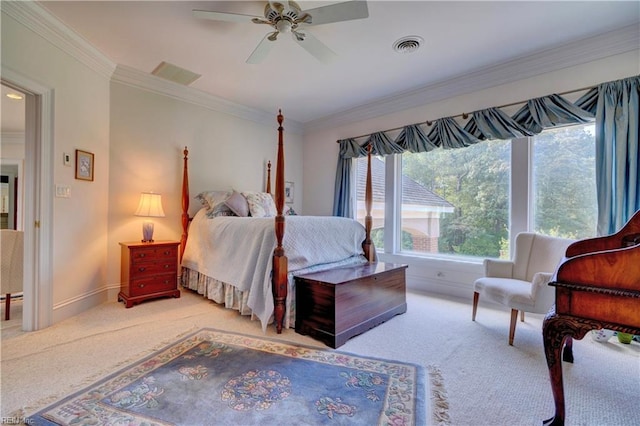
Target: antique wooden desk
{"points": [[597, 286]]}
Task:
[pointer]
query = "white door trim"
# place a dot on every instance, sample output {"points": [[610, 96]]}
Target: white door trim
{"points": [[38, 201]]}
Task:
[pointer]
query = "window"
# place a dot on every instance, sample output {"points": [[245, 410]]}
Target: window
{"points": [[468, 201], [564, 186], [456, 201]]}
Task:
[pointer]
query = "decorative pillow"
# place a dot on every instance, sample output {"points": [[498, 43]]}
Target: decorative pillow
{"points": [[238, 204], [215, 203], [210, 199], [261, 204], [220, 209]]}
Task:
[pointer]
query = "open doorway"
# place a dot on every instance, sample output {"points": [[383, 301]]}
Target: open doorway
{"points": [[12, 156], [34, 200]]}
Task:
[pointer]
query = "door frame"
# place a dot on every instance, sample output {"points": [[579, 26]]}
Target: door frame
{"points": [[37, 310]]}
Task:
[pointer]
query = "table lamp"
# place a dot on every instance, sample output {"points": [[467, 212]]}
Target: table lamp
{"points": [[150, 206]]}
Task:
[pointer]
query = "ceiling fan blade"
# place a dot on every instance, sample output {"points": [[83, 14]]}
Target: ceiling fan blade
{"points": [[317, 48], [262, 49], [287, 10], [345, 11], [283, 3], [223, 16]]}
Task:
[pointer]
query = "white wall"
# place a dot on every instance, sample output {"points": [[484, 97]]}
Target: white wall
{"points": [[321, 152], [136, 149], [12, 146], [81, 121], [148, 134]]}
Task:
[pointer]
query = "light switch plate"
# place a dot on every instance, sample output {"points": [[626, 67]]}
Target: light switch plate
{"points": [[66, 159], [63, 191]]}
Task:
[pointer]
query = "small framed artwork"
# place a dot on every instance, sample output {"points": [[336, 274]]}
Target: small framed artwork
{"points": [[84, 165], [288, 192]]}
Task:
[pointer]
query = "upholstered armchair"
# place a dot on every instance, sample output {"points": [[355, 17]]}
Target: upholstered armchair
{"points": [[12, 246], [522, 283]]}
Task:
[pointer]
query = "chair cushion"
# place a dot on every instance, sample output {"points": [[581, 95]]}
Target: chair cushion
{"points": [[537, 253], [12, 254], [507, 291]]}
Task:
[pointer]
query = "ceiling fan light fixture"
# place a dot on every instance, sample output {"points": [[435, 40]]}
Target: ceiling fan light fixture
{"points": [[288, 17], [284, 26], [408, 44]]}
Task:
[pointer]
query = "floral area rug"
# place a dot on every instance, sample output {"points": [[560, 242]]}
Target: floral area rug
{"points": [[213, 377]]}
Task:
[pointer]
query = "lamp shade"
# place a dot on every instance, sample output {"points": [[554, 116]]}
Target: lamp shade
{"points": [[150, 205]]}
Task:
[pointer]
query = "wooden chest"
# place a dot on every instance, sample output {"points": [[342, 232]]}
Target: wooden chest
{"points": [[148, 270], [333, 306]]}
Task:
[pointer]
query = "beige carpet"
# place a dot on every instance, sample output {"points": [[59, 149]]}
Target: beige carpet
{"points": [[481, 380]]}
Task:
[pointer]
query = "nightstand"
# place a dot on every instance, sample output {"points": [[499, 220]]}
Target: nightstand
{"points": [[148, 271]]}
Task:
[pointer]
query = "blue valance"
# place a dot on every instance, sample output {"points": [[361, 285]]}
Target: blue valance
{"points": [[414, 139], [616, 154], [550, 111], [492, 123]]}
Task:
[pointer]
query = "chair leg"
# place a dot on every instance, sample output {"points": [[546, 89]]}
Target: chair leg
{"points": [[476, 296], [7, 305], [521, 316], [512, 329]]}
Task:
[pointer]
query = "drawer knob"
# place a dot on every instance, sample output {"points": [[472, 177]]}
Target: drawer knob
{"points": [[167, 252], [142, 255], [142, 269], [141, 285], [167, 266]]}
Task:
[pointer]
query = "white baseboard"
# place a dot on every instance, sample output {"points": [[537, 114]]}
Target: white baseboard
{"points": [[81, 303], [445, 288]]}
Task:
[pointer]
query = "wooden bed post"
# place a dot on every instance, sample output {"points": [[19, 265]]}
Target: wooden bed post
{"points": [[268, 177], [367, 245], [185, 202], [280, 261]]}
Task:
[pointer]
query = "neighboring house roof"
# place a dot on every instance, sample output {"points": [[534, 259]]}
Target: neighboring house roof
{"points": [[412, 193]]}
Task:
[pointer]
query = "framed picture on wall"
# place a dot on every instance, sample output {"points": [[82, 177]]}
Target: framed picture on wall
{"points": [[84, 165], [288, 192]]}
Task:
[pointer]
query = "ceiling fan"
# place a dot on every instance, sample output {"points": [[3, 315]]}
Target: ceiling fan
{"points": [[288, 17]]}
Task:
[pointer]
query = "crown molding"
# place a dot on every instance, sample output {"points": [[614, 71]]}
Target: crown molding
{"points": [[42, 22], [149, 82], [593, 48], [16, 138], [38, 19]]}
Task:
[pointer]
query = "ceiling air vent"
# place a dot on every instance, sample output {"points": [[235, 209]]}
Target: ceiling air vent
{"points": [[175, 73], [408, 44]]}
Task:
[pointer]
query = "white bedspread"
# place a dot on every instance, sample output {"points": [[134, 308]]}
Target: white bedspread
{"points": [[238, 250]]}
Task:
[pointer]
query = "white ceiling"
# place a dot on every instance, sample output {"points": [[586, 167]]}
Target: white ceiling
{"points": [[460, 37]]}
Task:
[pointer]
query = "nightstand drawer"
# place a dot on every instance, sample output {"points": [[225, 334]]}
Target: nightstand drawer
{"points": [[156, 284], [145, 254], [146, 268]]}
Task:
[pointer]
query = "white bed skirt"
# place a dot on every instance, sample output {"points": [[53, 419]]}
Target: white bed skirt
{"points": [[233, 298]]}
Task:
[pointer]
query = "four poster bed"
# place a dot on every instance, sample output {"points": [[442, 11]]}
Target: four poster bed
{"points": [[213, 268], [247, 263]]}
